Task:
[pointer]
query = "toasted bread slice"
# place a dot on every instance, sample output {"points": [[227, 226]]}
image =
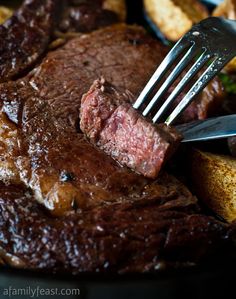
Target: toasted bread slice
{"points": [[214, 180], [5, 13], [175, 17], [118, 6]]}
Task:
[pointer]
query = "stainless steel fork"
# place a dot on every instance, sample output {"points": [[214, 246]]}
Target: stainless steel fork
{"points": [[214, 39]]}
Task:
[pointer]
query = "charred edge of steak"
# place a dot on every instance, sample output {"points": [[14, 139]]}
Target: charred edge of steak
{"points": [[110, 122], [25, 36], [122, 237]]}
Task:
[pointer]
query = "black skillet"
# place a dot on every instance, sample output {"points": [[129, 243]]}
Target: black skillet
{"points": [[212, 280]]}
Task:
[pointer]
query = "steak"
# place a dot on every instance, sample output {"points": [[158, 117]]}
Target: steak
{"points": [[110, 122], [154, 233], [67, 206], [86, 16], [209, 103], [46, 150], [25, 36]]}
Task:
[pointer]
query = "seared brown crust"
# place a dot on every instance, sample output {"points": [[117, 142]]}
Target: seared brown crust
{"points": [[118, 53], [25, 36], [85, 16], [126, 222], [148, 235], [45, 107]]}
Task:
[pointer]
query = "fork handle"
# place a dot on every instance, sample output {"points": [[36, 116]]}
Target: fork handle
{"points": [[212, 128]]}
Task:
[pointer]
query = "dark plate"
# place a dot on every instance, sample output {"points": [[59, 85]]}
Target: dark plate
{"points": [[209, 281], [215, 281]]}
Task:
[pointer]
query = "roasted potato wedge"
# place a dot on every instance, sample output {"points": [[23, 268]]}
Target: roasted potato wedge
{"points": [[214, 180], [118, 6], [175, 17], [5, 13], [227, 9], [231, 66]]}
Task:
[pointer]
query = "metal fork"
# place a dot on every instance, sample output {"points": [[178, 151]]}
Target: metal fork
{"points": [[214, 39]]}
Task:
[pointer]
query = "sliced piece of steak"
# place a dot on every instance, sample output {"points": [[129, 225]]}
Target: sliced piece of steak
{"points": [[149, 235], [109, 121], [25, 36]]}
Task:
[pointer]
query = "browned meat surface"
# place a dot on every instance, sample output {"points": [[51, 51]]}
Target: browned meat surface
{"points": [[45, 151], [110, 122], [107, 218], [207, 104], [25, 36], [154, 233], [85, 16]]}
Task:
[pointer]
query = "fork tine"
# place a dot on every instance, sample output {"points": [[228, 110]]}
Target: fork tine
{"points": [[171, 78], [161, 70], [202, 82], [196, 67]]}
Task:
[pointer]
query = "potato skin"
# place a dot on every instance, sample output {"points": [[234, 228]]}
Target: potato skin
{"points": [[214, 180], [117, 6], [227, 9], [5, 13], [174, 17]]}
